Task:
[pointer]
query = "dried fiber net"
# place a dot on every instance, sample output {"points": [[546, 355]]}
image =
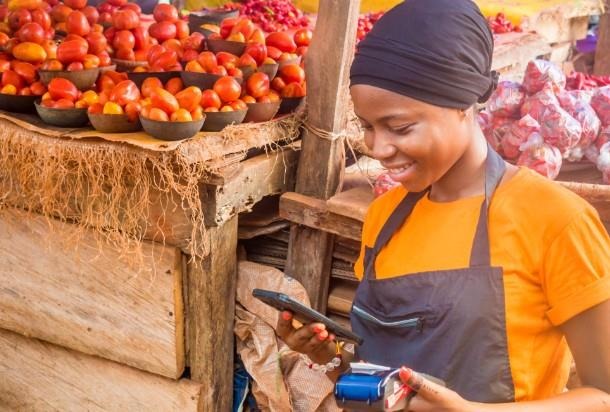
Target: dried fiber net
{"points": [[123, 193]]}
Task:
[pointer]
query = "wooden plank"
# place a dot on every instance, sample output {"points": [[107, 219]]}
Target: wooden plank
{"points": [[260, 176], [87, 299], [249, 232], [210, 317], [517, 49], [602, 53], [39, 376], [341, 296], [561, 52], [352, 203], [558, 27], [322, 160], [313, 213]]}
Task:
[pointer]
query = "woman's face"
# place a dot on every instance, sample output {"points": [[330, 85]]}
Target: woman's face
{"points": [[417, 142]]}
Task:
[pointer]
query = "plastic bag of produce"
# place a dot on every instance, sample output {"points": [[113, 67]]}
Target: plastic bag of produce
{"points": [[506, 100], [540, 72], [485, 119], [603, 162], [540, 156], [536, 105], [601, 104], [498, 129], [383, 183], [560, 130], [592, 152], [588, 119], [570, 98], [518, 134]]}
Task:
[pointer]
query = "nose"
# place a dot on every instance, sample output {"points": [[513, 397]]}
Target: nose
{"points": [[380, 145]]}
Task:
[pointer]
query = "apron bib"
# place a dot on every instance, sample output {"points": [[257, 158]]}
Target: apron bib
{"points": [[449, 324]]}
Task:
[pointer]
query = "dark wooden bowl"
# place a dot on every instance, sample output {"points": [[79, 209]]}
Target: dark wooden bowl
{"points": [[114, 123], [82, 79], [112, 68], [216, 121], [269, 69], [290, 104], [262, 112], [247, 71], [172, 130], [202, 80], [219, 45], [128, 65], [15, 103], [62, 117], [197, 18]]}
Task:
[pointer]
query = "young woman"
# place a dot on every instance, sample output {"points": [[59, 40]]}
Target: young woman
{"points": [[474, 271]]}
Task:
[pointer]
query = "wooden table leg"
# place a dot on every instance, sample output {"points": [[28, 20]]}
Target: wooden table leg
{"points": [[210, 317], [602, 55]]}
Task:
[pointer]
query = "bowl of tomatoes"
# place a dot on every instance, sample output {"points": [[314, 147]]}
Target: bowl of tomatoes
{"points": [[211, 16], [262, 111], [82, 79], [139, 77], [17, 103], [220, 45], [172, 130], [114, 123], [61, 113]]}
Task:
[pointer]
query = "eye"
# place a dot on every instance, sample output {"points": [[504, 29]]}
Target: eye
{"points": [[402, 130], [366, 127]]}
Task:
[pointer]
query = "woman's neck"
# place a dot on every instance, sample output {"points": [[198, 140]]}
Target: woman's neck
{"points": [[466, 178]]}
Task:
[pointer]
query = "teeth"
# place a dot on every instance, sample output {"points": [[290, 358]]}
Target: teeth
{"points": [[399, 170]]}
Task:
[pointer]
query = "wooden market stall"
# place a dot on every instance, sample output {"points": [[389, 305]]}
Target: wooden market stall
{"points": [[118, 262]]}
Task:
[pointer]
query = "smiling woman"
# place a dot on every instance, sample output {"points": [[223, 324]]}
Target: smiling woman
{"points": [[494, 273]]}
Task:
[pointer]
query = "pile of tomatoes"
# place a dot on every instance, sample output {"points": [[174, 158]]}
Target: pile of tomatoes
{"points": [[366, 23], [274, 15], [500, 24]]}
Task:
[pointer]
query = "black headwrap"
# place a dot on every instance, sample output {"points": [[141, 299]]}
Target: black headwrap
{"points": [[435, 51]]}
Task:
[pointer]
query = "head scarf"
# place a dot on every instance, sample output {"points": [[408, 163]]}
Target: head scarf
{"points": [[435, 51]]}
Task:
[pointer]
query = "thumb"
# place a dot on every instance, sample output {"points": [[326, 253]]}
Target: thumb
{"points": [[425, 388]]}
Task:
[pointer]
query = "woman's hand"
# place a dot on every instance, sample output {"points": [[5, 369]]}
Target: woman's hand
{"points": [[312, 339], [432, 396]]}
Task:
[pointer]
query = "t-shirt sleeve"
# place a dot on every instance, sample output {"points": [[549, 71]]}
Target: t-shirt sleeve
{"points": [[576, 267]]}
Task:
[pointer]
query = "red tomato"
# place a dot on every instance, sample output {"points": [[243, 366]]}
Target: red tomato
{"points": [[75, 66], [165, 12], [292, 73], [209, 98], [132, 110], [25, 70], [157, 114], [282, 41], [124, 39], [164, 100], [19, 18], [75, 4], [247, 61], [153, 53], [193, 42], [207, 60], [166, 60], [96, 108], [91, 14], [162, 31], [97, 43], [278, 84], [63, 104], [141, 38], [124, 92], [258, 85], [244, 26], [174, 85], [60, 12], [42, 18], [77, 23], [190, 56], [225, 58], [26, 91], [72, 51], [32, 32], [125, 19], [11, 77], [4, 65], [189, 98], [257, 51], [274, 53], [117, 3], [60, 88], [302, 37], [293, 90], [38, 88], [125, 54], [175, 45], [104, 59], [133, 6], [182, 29], [149, 84], [227, 89]]}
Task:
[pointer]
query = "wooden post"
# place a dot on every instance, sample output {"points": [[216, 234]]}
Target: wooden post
{"points": [[322, 160], [602, 54], [210, 317]]}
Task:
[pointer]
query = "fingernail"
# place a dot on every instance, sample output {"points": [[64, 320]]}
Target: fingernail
{"points": [[405, 374], [322, 335], [286, 315], [317, 329]]}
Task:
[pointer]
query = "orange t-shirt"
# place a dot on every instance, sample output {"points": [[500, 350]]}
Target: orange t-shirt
{"points": [[550, 242]]}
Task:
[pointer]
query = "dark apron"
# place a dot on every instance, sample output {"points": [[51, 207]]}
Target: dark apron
{"points": [[449, 324]]}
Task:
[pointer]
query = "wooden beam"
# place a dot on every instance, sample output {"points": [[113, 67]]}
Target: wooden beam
{"points": [[322, 160], [39, 376], [88, 299], [602, 53], [210, 317]]}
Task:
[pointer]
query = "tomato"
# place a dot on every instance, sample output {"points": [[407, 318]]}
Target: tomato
{"points": [[258, 85], [257, 51], [104, 59], [60, 88], [90, 97], [25, 70], [26, 91], [112, 108], [52, 65], [238, 105], [209, 98], [50, 47], [157, 114], [166, 60], [248, 99], [293, 90], [153, 53], [247, 61], [193, 42], [124, 39], [274, 53], [219, 71], [38, 88], [124, 92], [72, 51], [8, 89], [29, 52], [257, 37], [227, 88], [4, 65], [63, 104], [75, 66], [91, 61], [42, 18], [175, 45], [125, 19], [132, 110], [282, 41], [189, 98], [302, 37], [73, 36], [165, 12], [244, 26], [207, 60], [278, 84], [190, 56], [236, 37], [174, 85], [31, 32], [96, 108], [235, 72], [164, 100], [211, 109], [19, 18], [162, 31], [194, 66], [4, 39], [76, 4], [197, 114], [224, 58], [149, 84], [226, 26], [125, 54], [77, 23], [302, 50], [97, 28], [97, 43], [81, 104], [182, 29], [181, 115], [132, 6], [141, 38], [227, 108], [117, 3], [48, 102], [91, 14], [292, 73]]}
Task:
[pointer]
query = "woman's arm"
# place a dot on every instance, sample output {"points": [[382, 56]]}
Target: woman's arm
{"points": [[588, 335]]}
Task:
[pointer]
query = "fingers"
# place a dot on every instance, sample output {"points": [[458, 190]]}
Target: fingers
{"points": [[284, 325], [425, 388], [305, 339]]}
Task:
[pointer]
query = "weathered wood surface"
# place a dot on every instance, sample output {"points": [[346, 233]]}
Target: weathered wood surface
{"points": [[210, 316], [260, 176], [322, 160], [515, 50], [38, 376], [341, 296], [565, 22], [352, 203], [89, 300], [602, 53]]}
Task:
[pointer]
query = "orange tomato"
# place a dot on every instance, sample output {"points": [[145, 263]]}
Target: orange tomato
{"points": [[189, 98], [96, 108], [182, 29], [258, 37], [132, 110], [158, 115], [112, 108], [227, 108], [38, 88], [124, 92], [237, 37], [8, 89], [273, 96], [293, 90], [90, 97], [278, 84], [52, 65], [104, 59], [181, 115], [164, 100], [48, 103], [238, 105], [258, 85], [149, 84], [4, 65], [124, 53], [197, 114], [29, 52], [262, 99], [211, 109], [248, 99], [227, 88], [210, 99], [207, 60], [81, 104], [64, 104], [91, 61], [194, 66], [174, 85], [292, 73], [302, 37], [140, 69], [247, 61], [46, 96]]}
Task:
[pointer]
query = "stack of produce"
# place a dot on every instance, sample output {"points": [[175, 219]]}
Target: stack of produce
{"points": [[63, 94], [108, 8], [539, 123], [500, 24], [366, 23], [274, 15]]}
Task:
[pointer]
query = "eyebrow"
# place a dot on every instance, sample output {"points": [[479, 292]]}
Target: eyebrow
{"points": [[385, 118]]}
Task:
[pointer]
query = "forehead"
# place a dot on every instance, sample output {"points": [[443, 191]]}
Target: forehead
{"points": [[374, 104]]}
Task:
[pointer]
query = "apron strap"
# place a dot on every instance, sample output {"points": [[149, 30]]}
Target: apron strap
{"points": [[479, 255]]}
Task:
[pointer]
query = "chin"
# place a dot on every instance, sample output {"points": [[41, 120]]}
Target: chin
{"points": [[415, 186]]}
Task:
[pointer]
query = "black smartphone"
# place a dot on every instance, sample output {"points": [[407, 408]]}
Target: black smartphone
{"points": [[303, 314]]}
